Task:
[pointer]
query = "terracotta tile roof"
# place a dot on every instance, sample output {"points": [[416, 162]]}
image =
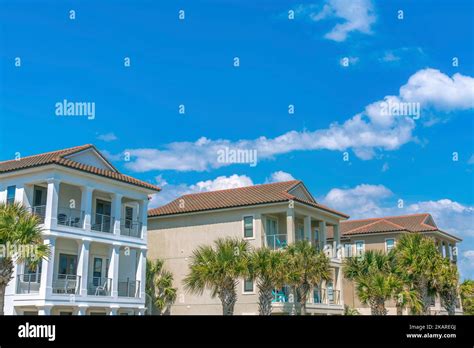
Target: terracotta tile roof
{"points": [[404, 223], [237, 197], [59, 158]]}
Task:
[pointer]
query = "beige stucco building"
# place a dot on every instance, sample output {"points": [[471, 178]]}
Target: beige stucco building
{"points": [[358, 236], [271, 215]]}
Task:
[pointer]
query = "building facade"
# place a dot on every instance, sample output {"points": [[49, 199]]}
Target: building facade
{"points": [[94, 220], [271, 215], [382, 234]]}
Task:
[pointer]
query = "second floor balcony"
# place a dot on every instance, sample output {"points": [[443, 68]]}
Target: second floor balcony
{"points": [[58, 204]]}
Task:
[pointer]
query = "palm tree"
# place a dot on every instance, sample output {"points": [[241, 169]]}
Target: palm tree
{"points": [[374, 280], [218, 269], [266, 267], [404, 294], [305, 268], [418, 257], [350, 311], [446, 284], [159, 286], [18, 228], [467, 296]]}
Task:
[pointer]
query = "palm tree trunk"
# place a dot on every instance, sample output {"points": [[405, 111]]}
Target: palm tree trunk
{"points": [[265, 298], [449, 302], [228, 298], [6, 272], [425, 297], [399, 309], [293, 301], [377, 306]]}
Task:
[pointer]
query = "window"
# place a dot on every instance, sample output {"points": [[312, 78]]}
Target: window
{"points": [[67, 264], [316, 238], [348, 250], [248, 227], [360, 247], [248, 285], [316, 294], [300, 232], [11, 194], [330, 292], [32, 273], [128, 217], [389, 244], [273, 239]]}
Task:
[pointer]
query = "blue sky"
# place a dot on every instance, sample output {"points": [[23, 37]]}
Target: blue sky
{"points": [[283, 62]]}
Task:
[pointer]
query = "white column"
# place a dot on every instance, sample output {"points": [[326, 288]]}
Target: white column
{"points": [[114, 268], [143, 211], [28, 196], [81, 310], [20, 194], [141, 271], [3, 194], [83, 265], [257, 220], [290, 225], [336, 241], [322, 234], [44, 310], [86, 206], [448, 251], [117, 211], [339, 284], [51, 218], [307, 228], [47, 268]]}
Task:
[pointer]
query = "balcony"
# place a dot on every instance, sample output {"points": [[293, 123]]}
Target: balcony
{"points": [[326, 297], [129, 288], [39, 211], [131, 228], [103, 223], [70, 217], [66, 284], [276, 241], [320, 296], [28, 283], [99, 286]]}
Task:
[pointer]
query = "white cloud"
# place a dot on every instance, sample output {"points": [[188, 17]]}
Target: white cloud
{"points": [[365, 201], [170, 192], [356, 15], [466, 263], [365, 133], [279, 176], [362, 201], [107, 137], [385, 167], [431, 87]]}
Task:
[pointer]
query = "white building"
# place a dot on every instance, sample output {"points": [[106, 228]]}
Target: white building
{"points": [[95, 222]]}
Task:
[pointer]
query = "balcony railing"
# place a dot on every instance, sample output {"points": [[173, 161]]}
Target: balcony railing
{"points": [[103, 223], [327, 297], [66, 284], [276, 241], [28, 283], [129, 288], [99, 286], [70, 217], [131, 228], [39, 211]]}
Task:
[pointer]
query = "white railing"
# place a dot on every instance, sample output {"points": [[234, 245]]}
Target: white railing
{"points": [[28, 283], [103, 223]]}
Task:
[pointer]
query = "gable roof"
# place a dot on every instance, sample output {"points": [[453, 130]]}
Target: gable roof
{"points": [[237, 197], [403, 223], [60, 157]]}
